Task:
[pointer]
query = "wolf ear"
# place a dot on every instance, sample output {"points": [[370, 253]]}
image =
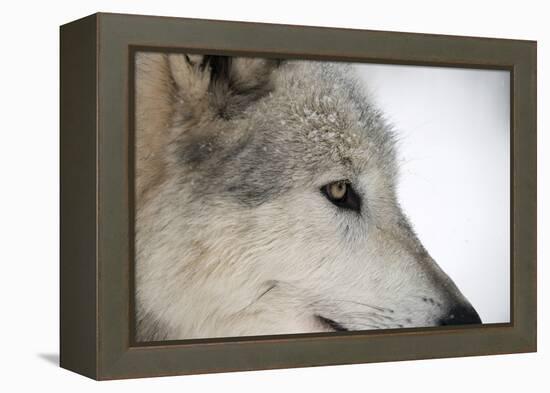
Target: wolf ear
{"points": [[219, 85]]}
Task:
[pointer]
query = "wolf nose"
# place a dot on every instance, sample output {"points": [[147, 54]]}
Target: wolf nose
{"points": [[460, 315]]}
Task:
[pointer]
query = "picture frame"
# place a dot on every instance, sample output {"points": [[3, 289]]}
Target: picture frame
{"points": [[96, 197]]}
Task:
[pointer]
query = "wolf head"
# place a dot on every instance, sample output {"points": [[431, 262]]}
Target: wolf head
{"points": [[266, 204]]}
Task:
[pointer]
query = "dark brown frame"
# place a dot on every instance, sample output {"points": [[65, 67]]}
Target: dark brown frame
{"points": [[97, 196]]}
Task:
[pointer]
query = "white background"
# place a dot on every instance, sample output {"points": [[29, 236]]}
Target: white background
{"points": [[29, 199], [453, 132]]}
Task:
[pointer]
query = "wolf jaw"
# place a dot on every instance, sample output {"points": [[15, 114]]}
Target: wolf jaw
{"points": [[235, 231]]}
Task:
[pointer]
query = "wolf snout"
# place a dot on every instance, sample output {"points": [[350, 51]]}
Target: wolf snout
{"points": [[460, 315]]}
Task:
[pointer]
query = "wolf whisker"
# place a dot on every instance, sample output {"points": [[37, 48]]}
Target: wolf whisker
{"points": [[381, 309]]}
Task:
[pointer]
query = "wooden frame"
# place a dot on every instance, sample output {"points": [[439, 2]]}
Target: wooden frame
{"points": [[97, 213]]}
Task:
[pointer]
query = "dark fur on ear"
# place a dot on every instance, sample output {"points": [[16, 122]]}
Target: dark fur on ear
{"points": [[219, 67], [229, 84], [235, 83]]}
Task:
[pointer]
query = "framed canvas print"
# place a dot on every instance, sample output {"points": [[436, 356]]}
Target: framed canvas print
{"points": [[241, 196]]}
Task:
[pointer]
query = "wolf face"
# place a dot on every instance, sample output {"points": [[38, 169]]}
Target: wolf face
{"points": [[266, 204]]}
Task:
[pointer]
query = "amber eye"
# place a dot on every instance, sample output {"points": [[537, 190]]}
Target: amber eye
{"points": [[342, 194], [337, 190]]}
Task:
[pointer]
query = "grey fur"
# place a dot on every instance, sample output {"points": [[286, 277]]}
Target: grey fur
{"points": [[272, 132]]}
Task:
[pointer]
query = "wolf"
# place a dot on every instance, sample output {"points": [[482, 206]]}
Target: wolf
{"points": [[266, 204]]}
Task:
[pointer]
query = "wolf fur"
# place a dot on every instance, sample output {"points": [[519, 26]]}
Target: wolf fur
{"points": [[234, 237]]}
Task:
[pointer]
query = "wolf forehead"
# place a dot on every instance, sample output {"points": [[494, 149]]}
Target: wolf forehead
{"points": [[256, 139]]}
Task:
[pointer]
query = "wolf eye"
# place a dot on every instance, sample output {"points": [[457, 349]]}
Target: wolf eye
{"points": [[341, 194], [337, 190]]}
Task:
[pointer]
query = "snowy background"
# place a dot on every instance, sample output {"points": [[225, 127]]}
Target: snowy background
{"points": [[453, 126]]}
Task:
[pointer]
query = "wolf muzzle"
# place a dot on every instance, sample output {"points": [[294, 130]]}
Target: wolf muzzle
{"points": [[461, 315]]}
